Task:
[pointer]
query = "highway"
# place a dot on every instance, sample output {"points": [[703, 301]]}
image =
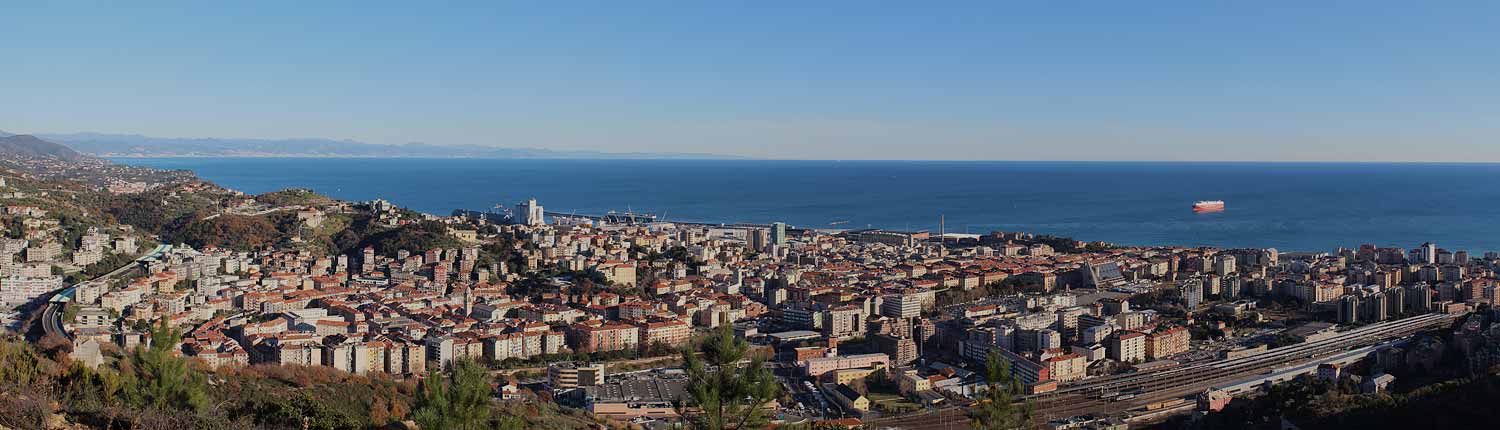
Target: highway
{"points": [[52, 322]]}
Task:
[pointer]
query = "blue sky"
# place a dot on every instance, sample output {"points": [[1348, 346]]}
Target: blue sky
{"points": [[1190, 80]]}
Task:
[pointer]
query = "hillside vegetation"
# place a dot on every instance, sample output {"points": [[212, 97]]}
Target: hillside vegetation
{"points": [[153, 388], [238, 232]]}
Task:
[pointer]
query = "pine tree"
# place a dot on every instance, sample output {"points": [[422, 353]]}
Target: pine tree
{"points": [[998, 411], [158, 378], [432, 404], [463, 403], [728, 394]]}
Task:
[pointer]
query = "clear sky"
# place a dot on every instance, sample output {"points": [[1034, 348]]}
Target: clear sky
{"points": [[1105, 80]]}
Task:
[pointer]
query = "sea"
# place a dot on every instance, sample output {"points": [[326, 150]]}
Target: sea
{"points": [[1306, 207]]}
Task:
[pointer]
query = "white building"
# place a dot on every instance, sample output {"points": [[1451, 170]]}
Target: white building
{"points": [[439, 350], [16, 291], [529, 213], [904, 306], [1127, 347]]}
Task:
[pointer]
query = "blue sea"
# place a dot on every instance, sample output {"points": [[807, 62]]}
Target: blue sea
{"points": [[1289, 206]]}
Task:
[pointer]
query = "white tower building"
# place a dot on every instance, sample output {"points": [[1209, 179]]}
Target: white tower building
{"points": [[529, 213]]}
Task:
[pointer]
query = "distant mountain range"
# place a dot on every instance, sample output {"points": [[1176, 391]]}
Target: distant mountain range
{"points": [[128, 145]]}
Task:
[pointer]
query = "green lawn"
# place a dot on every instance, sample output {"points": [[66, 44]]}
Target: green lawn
{"points": [[892, 402]]}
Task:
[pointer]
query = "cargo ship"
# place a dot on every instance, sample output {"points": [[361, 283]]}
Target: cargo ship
{"points": [[1208, 206]]}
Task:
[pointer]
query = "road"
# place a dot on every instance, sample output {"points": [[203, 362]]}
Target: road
{"points": [[52, 323], [259, 212], [52, 320]]}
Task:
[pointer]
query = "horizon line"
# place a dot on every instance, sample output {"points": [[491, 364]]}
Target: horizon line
{"points": [[626, 156]]}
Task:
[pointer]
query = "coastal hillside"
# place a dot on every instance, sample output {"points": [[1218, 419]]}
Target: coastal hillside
{"points": [[129, 145], [32, 157], [27, 146], [176, 207]]}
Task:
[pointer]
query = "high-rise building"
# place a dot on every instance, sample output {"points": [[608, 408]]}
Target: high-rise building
{"points": [[1373, 308], [759, 239], [1428, 253], [1418, 299], [1232, 288], [778, 233], [844, 321], [1192, 294], [1349, 309], [529, 213], [1224, 265], [1395, 301]]}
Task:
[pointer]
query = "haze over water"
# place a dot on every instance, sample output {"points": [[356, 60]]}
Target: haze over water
{"points": [[1289, 206]]}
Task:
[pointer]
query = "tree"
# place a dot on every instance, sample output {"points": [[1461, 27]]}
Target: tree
{"points": [[463, 404], [728, 393], [880, 381], [161, 380], [998, 410]]}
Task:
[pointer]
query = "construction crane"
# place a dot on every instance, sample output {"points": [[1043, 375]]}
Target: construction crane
{"points": [[836, 223]]}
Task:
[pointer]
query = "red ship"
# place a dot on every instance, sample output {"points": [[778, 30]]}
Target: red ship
{"points": [[1208, 206]]}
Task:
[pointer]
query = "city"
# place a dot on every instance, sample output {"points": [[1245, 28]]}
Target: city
{"points": [[834, 215], [861, 327]]}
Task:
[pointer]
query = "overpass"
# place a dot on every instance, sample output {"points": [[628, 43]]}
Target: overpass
{"points": [[1290, 373]]}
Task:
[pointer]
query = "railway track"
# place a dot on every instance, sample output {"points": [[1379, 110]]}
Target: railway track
{"points": [[1172, 383], [1157, 386]]}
